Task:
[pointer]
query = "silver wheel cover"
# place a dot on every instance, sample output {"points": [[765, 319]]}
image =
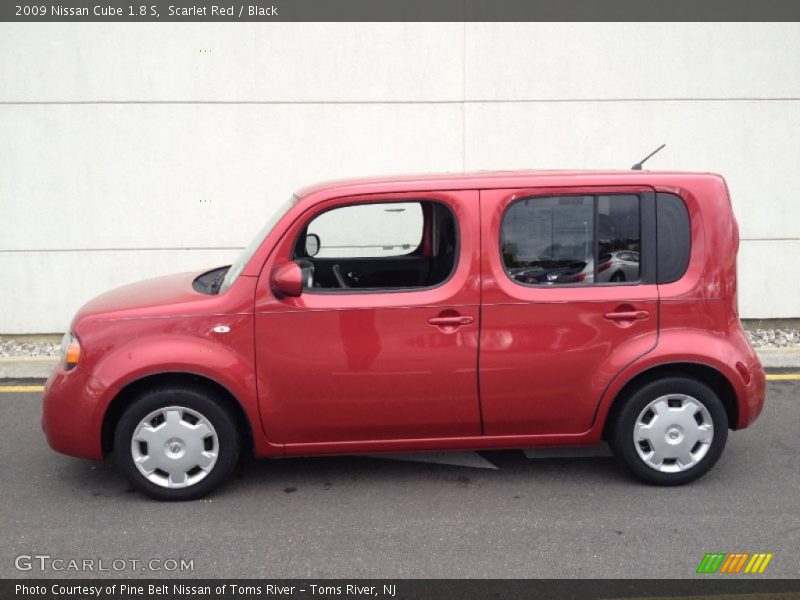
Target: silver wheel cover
{"points": [[673, 433], [174, 447]]}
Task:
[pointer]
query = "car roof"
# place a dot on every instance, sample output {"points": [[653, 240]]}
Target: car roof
{"points": [[500, 179]]}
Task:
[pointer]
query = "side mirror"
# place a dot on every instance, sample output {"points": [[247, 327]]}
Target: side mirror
{"points": [[287, 280], [312, 244]]}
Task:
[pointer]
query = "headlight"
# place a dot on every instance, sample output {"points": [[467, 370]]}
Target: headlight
{"points": [[70, 351]]}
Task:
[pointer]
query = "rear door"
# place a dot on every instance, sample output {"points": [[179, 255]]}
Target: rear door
{"points": [[555, 327]]}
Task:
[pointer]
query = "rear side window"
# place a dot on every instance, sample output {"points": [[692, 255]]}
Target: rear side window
{"points": [[556, 240], [674, 238]]}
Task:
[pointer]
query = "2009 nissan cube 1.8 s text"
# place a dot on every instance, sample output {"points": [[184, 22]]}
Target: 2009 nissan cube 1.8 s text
{"points": [[491, 310]]}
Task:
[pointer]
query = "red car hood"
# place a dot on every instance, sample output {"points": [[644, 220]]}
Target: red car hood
{"points": [[161, 296]]}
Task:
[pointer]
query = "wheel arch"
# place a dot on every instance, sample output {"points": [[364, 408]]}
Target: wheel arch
{"points": [[711, 376], [136, 387]]}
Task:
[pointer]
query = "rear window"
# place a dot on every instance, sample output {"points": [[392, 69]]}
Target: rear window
{"points": [[674, 237]]}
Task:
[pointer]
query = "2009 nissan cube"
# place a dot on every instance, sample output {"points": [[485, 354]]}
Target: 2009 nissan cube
{"points": [[477, 311]]}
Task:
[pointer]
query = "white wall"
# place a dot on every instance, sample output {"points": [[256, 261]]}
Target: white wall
{"points": [[133, 150]]}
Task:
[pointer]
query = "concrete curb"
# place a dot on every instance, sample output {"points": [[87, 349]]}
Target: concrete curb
{"points": [[779, 358], [40, 367], [27, 367]]}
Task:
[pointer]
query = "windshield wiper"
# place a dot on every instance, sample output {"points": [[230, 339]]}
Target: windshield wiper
{"points": [[216, 283]]}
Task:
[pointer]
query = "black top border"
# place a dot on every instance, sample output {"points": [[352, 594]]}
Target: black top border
{"points": [[400, 10]]}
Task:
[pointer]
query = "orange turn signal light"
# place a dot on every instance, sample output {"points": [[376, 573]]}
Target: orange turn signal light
{"points": [[70, 351], [73, 354]]}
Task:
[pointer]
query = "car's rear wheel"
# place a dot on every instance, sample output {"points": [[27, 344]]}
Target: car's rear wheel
{"points": [[670, 431], [176, 443]]}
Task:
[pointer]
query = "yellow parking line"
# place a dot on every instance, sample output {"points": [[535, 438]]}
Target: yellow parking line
{"points": [[8, 389], [782, 376]]}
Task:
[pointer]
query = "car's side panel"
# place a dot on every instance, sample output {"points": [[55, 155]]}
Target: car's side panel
{"points": [[544, 366], [698, 315], [179, 344], [338, 366], [477, 442], [702, 305], [715, 240], [549, 352], [709, 349]]}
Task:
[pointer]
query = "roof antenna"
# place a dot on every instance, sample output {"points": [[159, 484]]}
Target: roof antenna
{"points": [[638, 165]]}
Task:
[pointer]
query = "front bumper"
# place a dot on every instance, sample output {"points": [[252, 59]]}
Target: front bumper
{"points": [[72, 417]]}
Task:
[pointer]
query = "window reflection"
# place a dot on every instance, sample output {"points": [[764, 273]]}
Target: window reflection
{"points": [[558, 239]]}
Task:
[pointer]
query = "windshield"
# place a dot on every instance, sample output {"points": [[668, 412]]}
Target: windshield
{"points": [[236, 268]]}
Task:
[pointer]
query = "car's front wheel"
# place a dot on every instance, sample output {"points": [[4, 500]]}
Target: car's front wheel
{"points": [[176, 443], [670, 431]]}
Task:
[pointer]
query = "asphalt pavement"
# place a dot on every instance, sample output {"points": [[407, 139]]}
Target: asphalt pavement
{"points": [[564, 516]]}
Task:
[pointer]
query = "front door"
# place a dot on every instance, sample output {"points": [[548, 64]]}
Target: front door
{"points": [[569, 299], [382, 343]]}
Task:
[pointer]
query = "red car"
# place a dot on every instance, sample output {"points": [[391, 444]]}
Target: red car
{"points": [[384, 315]]}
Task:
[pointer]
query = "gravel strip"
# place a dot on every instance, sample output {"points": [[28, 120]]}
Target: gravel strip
{"points": [[760, 338], [27, 349], [774, 338]]}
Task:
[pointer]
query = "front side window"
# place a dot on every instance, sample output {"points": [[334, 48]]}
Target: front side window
{"points": [[379, 246], [369, 230], [556, 240]]}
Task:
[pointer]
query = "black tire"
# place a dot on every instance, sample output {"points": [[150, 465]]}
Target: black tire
{"points": [[621, 434], [228, 443], [618, 276]]}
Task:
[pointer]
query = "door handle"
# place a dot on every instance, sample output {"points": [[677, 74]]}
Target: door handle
{"points": [[627, 315], [456, 321]]}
